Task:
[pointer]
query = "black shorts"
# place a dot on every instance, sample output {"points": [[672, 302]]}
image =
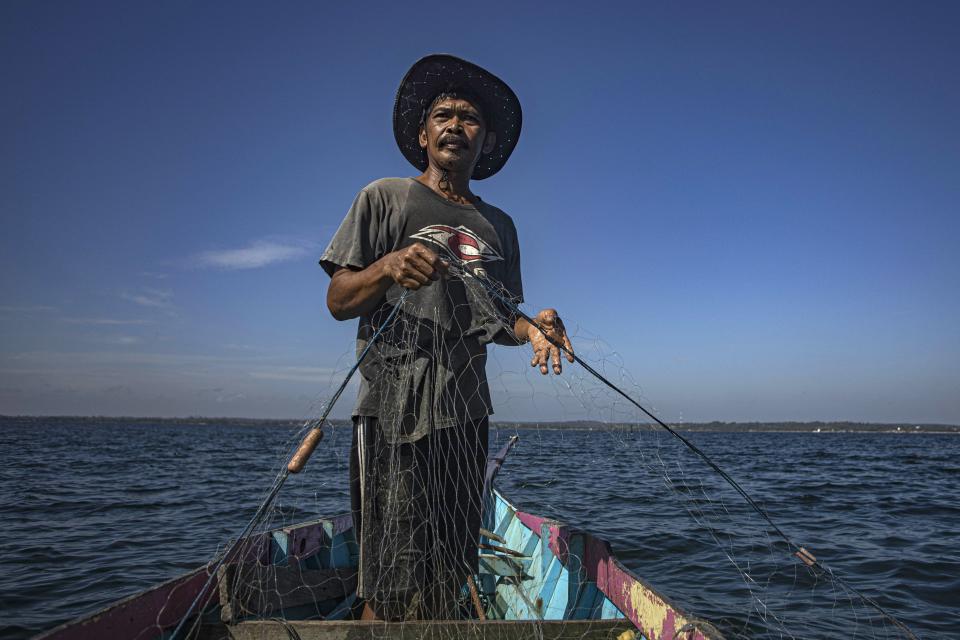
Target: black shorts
{"points": [[416, 514]]}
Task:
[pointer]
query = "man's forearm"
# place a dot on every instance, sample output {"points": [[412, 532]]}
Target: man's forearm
{"points": [[354, 293], [521, 330]]}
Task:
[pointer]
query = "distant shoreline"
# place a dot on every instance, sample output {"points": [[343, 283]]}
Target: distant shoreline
{"points": [[576, 425]]}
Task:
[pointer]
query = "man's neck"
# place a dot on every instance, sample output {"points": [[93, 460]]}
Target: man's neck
{"points": [[452, 186]]}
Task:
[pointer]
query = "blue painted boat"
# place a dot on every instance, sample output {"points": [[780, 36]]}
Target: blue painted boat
{"points": [[538, 578]]}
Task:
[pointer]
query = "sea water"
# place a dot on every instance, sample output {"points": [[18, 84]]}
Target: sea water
{"points": [[91, 512]]}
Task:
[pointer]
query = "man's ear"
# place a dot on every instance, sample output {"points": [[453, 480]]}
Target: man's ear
{"points": [[490, 142], [422, 137]]}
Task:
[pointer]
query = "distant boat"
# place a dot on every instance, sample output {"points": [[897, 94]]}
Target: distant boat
{"points": [[538, 578]]}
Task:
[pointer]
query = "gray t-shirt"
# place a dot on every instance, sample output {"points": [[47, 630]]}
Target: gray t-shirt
{"points": [[427, 370]]}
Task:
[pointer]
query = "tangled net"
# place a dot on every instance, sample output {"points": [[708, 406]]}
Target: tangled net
{"points": [[720, 555]]}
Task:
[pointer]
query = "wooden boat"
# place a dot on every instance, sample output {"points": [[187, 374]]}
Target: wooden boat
{"points": [[538, 578]]}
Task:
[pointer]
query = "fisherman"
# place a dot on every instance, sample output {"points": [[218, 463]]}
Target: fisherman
{"points": [[421, 419]]}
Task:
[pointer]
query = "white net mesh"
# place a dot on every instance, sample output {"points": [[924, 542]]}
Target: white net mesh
{"points": [[427, 549]]}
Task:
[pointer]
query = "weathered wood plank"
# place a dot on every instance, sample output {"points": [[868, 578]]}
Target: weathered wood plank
{"points": [[432, 630], [264, 590], [211, 631], [501, 565]]}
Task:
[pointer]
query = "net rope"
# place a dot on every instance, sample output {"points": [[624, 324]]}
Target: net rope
{"points": [[425, 505]]}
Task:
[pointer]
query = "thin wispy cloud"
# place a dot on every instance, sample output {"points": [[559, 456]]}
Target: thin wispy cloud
{"points": [[232, 346], [221, 395], [147, 297], [37, 308], [112, 364], [320, 375], [257, 254], [105, 321], [67, 360]]}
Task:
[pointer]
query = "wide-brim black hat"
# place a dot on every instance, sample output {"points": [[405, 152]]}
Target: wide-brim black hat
{"points": [[437, 73]]}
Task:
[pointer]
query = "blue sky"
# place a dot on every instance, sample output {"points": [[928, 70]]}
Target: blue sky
{"points": [[754, 205]]}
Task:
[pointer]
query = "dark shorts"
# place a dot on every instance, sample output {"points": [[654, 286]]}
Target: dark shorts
{"points": [[416, 514]]}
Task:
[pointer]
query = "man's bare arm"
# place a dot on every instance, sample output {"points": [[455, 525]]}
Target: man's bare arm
{"points": [[353, 293]]}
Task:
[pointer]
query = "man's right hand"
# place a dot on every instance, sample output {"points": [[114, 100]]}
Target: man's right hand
{"points": [[354, 292], [414, 266]]}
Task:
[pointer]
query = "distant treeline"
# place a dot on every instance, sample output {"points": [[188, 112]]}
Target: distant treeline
{"points": [[196, 421], [812, 427], [574, 425]]}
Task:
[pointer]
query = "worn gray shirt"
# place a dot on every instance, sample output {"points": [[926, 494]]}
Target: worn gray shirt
{"points": [[427, 370]]}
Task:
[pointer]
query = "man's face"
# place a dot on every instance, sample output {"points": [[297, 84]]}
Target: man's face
{"points": [[454, 135]]}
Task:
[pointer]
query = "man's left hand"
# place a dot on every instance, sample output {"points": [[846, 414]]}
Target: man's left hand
{"points": [[544, 350]]}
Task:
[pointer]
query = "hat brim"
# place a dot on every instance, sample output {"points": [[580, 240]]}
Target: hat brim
{"points": [[440, 72]]}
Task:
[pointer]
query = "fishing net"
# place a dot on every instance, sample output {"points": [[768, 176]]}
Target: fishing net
{"points": [[425, 546]]}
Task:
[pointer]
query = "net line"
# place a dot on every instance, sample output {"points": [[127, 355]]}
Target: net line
{"points": [[267, 502], [802, 554], [417, 330]]}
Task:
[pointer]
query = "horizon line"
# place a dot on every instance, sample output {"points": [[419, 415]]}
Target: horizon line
{"points": [[492, 421]]}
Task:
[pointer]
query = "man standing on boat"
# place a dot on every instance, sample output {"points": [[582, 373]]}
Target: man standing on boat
{"points": [[436, 250]]}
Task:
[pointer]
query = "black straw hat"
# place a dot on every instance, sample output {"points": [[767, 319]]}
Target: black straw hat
{"points": [[437, 73]]}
